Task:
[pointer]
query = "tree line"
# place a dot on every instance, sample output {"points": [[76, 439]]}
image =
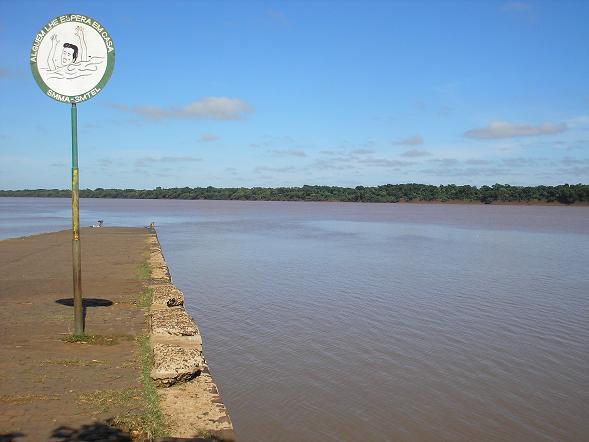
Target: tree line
{"points": [[388, 193]]}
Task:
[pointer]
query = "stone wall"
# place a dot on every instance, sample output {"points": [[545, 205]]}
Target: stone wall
{"points": [[188, 395]]}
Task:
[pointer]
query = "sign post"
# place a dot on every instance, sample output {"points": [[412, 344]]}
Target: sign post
{"points": [[76, 249], [72, 58]]}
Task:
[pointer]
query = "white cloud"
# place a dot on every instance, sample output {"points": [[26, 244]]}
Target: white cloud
{"points": [[477, 162], [270, 141], [206, 138], [504, 129], [385, 162], [220, 108], [362, 151], [213, 108], [331, 165], [290, 152], [415, 140], [569, 161], [104, 162], [494, 172], [414, 153], [145, 161], [519, 162], [261, 169], [445, 162], [580, 121]]}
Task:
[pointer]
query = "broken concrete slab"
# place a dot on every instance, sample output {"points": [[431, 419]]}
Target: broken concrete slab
{"points": [[172, 321], [173, 364], [196, 406], [166, 295]]}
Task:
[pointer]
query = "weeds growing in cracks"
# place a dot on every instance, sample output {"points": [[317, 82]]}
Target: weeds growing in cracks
{"points": [[144, 270]]}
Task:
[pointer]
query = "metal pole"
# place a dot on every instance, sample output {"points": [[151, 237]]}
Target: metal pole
{"points": [[76, 252]]}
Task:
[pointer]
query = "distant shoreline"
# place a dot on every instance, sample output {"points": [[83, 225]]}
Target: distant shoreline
{"points": [[502, 203], [411, 193], [401, 202]]}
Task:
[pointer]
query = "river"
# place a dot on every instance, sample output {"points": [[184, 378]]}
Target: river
{"points": [[345, 321]]}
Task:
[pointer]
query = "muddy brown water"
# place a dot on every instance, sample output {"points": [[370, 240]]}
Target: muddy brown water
{"points": [[374, 321]]}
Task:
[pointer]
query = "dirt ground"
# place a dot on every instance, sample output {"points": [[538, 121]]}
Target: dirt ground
{"points": [[51, 389]]}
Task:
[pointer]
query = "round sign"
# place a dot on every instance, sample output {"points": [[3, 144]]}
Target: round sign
{"points": [[72, 58]]}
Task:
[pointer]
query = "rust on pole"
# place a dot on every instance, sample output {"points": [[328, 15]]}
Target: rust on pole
{"points": [[76, 249]]}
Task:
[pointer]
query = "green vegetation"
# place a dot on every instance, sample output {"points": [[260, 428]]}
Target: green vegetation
{"points": [[144, 270], [26, 398], [150, 422], [95, 339], [134, 414], [141, 415], [73, 362], [145, 298], [104, 401], [388, 193], [152, 419]]}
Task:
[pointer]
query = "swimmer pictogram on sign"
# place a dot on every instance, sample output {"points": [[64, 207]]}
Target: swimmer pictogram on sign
{"points": [[72, 58]]}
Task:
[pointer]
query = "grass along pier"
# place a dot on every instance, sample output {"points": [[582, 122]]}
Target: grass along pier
{"points": [[104, 384]]}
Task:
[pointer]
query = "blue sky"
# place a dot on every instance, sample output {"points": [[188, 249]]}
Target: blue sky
{"points": [[291, 93]]}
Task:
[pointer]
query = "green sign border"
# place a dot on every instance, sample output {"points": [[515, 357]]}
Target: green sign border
{"points": [[110, 64]]}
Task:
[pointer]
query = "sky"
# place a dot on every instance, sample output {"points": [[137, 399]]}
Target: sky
{"points": [[243, 94]]}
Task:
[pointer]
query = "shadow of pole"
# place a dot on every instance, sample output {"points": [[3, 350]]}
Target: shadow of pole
{"points": [[86, 302]]}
